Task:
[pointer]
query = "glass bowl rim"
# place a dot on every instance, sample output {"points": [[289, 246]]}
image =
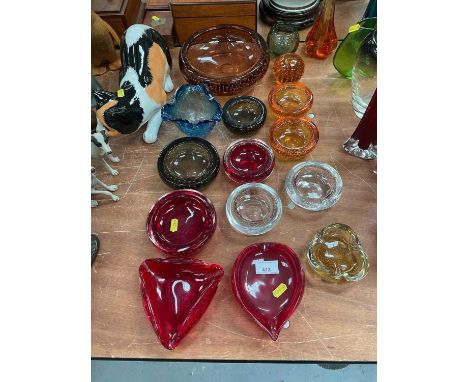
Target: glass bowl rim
{"points": [[255, 141], [257, 230], [180, 183], [297, 200]]}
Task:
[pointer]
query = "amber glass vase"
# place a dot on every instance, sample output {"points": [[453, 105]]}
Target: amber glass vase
{"points": [[321, 40]]}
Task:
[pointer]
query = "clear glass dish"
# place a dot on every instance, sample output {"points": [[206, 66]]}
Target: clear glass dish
{"points": [[188, 162], [194, 109], [181, 222], [336, 254], [293, 138], [290, 100], [253, 208], [248, 160], [244, 114], [227, 58], [314, 186]]}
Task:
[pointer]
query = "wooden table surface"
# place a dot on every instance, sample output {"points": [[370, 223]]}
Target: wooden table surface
{"points": [[332, 323]]}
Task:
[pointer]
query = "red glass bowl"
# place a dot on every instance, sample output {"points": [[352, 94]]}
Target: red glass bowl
{"points": [[176, 293], [181, 222], [226, 58], [268, 282], [248, 160]]}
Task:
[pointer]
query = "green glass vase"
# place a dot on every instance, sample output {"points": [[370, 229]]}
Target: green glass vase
{"points": [[346, 52]]}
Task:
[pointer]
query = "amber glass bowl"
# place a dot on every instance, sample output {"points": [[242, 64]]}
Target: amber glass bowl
{"points": [[226, 58], [293, 138], [290, 99], [288, 67]]}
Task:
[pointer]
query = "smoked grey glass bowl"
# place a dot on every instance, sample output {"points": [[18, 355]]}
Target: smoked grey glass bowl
{"points": [[253, 209], [314, 186], [244, 114]]}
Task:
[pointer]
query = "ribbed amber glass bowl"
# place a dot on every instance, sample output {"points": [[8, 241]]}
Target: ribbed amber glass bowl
{"points": [[226, 58], [292, 137], [288, 67], [290, 99]]}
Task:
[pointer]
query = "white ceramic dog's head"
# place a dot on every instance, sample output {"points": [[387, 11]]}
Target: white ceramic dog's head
{"points": [[101, 141]]}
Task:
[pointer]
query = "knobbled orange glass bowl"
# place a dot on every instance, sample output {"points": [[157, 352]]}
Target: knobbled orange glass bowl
{"points": [[290, 99], [226, 58], [293, 138]]}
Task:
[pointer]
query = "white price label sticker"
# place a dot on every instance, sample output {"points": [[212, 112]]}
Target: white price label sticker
{"points": [[263, 267]]}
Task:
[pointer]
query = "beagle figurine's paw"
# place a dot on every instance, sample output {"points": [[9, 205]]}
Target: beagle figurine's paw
{"points": [[114, 172], [113, 187], [94, 203], [115, 198]]}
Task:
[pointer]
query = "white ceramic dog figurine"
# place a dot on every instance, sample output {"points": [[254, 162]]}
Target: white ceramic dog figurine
{"points": [[95, 182], [144, 80], [100, 148]]}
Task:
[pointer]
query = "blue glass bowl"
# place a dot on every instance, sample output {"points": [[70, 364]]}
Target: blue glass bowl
{"points": [[194, 109]]}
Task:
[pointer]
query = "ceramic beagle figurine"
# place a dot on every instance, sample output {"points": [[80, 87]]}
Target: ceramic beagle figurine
{"points": [[144, 81]]}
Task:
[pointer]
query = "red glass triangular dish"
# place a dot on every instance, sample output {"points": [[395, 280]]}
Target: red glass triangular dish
{"points": [[176, 292], [268, 281]]}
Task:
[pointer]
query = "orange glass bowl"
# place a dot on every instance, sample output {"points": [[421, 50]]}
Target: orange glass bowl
{"points": [[288, 67], [226, 58], [290, 100], [293, 137]]}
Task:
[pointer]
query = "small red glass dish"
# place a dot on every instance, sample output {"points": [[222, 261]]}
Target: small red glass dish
{"points": [[176, 293], [181, 222], [248, 160], [268, 281]]}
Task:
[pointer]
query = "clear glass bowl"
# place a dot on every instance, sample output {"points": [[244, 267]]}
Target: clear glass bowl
{"points": [[194, 109], [314, 186], [288, 67], [248, 160], [244, 114], [336, 254], [188, 162], [253, 208], [290, 99], [227, 58], [292, 137], [181, 222]]}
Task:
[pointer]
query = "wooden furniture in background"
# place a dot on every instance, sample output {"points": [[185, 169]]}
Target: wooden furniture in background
{"points": [[161, 9], [119, 14], [191, 16]]}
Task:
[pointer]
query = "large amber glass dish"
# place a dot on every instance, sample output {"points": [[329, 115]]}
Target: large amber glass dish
{"points": [[290, 100], [292, 138], [226, 58]]}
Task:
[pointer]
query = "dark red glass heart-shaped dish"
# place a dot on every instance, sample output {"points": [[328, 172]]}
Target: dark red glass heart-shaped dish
{"points": [[268, 282], [181, 222], [176, 293]]}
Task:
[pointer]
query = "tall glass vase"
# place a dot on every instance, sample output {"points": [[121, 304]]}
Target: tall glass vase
{"points": [[363, 142], [321, 40]]}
